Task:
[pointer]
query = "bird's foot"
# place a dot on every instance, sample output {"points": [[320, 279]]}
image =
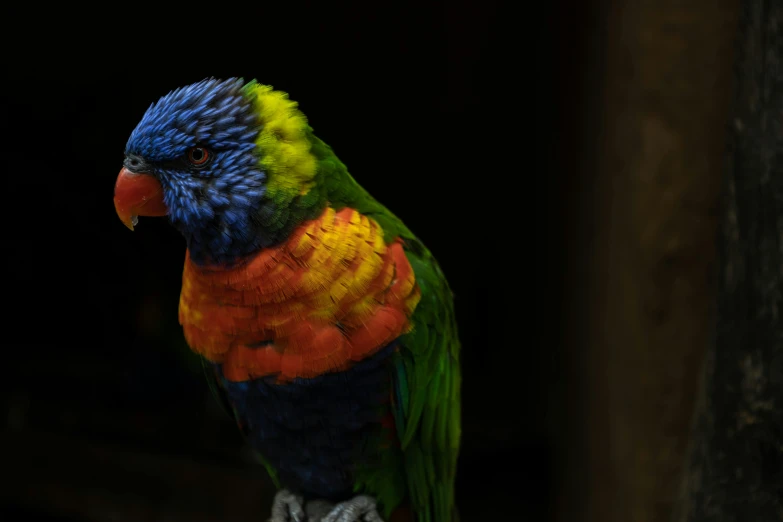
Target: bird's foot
{"points": [[316, 510], [287, 507], [361, 508]]}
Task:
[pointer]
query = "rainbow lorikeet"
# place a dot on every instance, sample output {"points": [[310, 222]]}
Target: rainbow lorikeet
{"points": [[324, 325]]}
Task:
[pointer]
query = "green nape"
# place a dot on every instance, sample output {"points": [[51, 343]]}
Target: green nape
{"points": [[341, 190], [304, 175]]}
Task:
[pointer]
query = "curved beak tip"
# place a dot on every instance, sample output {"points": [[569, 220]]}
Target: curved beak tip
{"points": [[137, 194], [129, 221]]}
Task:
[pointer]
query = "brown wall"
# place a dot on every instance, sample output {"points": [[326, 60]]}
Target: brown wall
{"points": [[639, 325]]}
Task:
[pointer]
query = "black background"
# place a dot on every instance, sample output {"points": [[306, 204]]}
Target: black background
{"points": [[458, 116]]}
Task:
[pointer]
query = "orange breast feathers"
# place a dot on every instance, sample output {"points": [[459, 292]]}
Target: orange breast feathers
{"points": [[333, 294]]}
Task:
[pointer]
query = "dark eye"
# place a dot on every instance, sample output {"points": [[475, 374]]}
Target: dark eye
{"points": [[199, 156]]}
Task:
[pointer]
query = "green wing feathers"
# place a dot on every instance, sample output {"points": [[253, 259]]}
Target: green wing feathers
{"points": [[427, 392]]}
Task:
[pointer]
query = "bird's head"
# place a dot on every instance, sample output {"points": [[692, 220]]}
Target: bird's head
{"points": [[209, 157]]}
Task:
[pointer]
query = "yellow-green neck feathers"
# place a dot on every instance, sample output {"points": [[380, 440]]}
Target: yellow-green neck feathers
{"points": [[286, 159]]}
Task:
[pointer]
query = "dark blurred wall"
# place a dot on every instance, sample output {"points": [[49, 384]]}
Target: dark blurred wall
{"points": [[735, 469], [642, 260]]}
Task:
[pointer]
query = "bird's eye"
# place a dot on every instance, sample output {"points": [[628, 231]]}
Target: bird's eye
{"points": [[199, 156]]}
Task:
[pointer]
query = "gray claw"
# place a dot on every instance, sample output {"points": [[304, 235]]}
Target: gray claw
{"points": [[361, 508], [287, 507]]}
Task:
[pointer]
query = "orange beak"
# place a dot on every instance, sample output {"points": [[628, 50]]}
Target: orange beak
{"points": [[138, 195]]}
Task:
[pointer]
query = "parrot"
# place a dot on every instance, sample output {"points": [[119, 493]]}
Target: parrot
{"points": [[324, 326]]}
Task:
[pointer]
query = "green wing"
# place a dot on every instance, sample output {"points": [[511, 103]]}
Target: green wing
{"points": [[427, 392]]}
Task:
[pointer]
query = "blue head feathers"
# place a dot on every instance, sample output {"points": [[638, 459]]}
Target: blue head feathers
{"points": [[199, 141]]}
